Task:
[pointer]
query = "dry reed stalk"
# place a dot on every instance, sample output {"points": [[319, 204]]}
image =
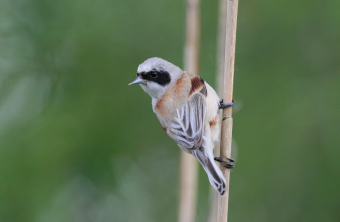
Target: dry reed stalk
{"points": [[227, 121], [189, 166], [222, 20]]}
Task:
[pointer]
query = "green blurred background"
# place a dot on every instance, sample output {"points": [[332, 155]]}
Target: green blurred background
{"points": [[78, 144]]}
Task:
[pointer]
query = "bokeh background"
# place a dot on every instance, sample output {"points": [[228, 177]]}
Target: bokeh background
{"points": [[78, 144]]}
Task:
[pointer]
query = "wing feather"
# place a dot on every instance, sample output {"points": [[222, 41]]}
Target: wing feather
{"points": [[187, 128]]}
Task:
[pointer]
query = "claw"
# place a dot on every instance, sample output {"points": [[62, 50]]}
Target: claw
{"points": [[231, 160]]}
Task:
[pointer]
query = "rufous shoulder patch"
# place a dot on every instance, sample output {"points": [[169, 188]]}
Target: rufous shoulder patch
{"points": [[197, 84]]}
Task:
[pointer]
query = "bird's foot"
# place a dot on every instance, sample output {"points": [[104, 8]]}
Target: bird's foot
{"points": [[225, 163], [222, 105]]}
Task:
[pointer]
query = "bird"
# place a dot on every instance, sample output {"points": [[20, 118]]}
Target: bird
{"points": [[188, 109]]}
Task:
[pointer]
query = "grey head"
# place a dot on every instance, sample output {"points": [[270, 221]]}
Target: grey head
{"points": [[155, 75]]}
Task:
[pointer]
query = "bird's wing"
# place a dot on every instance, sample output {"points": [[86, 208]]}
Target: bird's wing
{"points": [[187, 128]]}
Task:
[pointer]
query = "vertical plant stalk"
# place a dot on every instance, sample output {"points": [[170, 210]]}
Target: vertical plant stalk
{"points": [[189, 167], [222, 20], [227, 120]]}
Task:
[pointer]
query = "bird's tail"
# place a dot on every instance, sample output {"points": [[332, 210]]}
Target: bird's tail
{"points": [[214, 173]]}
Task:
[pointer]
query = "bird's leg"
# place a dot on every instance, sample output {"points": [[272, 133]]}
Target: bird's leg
{"points": [[225, 163], [222, 105]]}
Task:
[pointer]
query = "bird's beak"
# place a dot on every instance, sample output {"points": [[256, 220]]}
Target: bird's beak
{"points": [[138, 80]]}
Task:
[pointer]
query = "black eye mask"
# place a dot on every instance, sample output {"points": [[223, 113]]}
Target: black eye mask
{"points": [[161, 77]]}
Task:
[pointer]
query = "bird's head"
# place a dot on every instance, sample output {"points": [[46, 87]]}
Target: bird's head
{"points": [[155, 75]]}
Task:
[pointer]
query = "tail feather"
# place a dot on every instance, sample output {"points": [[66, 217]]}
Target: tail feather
{"points": [[214, 173]]}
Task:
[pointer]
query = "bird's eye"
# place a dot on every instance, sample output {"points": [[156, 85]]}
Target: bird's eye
{"points": [[153, 74]]}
